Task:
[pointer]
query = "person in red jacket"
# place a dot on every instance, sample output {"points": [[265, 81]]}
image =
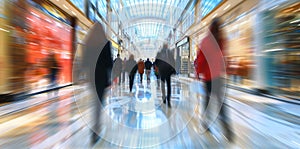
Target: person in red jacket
{"points": [[141, 69], [210, 64]]}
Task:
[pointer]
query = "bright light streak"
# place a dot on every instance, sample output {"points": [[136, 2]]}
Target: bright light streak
{"points": [[4, 30], [214, 15], [227, 7], [35, 14], [73, 13], [296, 21], [30, 19], [65, 6], [273, 50]]}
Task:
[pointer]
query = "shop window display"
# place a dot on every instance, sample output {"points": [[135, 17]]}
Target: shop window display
{"points": [[183, 61], [34, 35], [4, 35], [46, 35], [240, 50], [281, 46]]}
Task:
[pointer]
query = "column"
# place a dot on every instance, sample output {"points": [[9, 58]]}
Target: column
{"points": [[74, 42], [86, 8], [197, 10], [108, 18], [5, 68]]}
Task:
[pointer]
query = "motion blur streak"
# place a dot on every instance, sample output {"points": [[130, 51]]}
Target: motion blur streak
{"points": [[45, 101]]}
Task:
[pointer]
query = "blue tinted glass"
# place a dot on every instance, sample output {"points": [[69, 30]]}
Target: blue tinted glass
{"points": [[79, 4], [208, 5], [92, 14], [102, 8], [93, 2]]}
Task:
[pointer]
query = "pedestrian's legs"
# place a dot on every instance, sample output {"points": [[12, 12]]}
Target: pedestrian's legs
{"points": [[235, 79], [239, 79], [158, 81], [148, 74], [123, 76], [97, 112], [120, 79], [141, 77], [56, 90], [205, 105], [207, 96], [224, 117], [131, 79], [225, 122], [51, 86], [168, 79], [163, 90]]}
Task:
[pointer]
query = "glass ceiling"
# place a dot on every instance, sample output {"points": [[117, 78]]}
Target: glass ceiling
{"points": [[145, 20], [150, 20]]}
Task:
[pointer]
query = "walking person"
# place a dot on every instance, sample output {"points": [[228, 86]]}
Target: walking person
{"points": [[53, 68], [117, 69], [166, 66], [211, 64], [102, 80], [124, 70], [131, 68], [97, 68], [156, 73], [148, 66], [141, 69]]}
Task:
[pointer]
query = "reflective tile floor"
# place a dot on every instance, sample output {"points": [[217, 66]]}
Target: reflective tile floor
{"points": [[141, 120]]}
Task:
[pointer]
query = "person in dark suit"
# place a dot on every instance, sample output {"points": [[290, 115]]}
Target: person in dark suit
{"points": [[54, 69], [102, 81], [123, 69], [166, 65], [148, 66], [131, 68], [117, 68]]}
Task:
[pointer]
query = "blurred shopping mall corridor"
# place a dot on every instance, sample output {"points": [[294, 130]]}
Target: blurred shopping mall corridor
{"points": [[55, 55]]}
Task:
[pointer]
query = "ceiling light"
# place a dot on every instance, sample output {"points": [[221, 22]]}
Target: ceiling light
{"points": [[65, 6], [227, 7], [214, 15], [74, 13]]}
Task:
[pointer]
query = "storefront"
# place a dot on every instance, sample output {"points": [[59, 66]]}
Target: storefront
{"points": [[238, 32], [280, 46], [115, 49], [182, 56], [240, 49], [38, 30], [4, 61]]}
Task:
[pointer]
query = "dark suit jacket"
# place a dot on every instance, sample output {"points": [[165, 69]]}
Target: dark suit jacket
{"points": [[103, 70]]}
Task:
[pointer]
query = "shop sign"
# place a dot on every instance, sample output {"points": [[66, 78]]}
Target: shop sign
{"points": [[114, 44], [182, 42]]}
